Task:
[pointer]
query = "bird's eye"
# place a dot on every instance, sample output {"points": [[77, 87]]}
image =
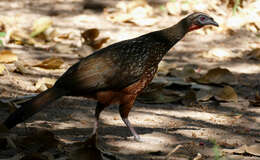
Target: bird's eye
{"points": [[202, 19]]}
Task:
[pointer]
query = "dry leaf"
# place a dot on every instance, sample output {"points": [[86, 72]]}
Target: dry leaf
{"points": [[20, 37], [2, 68], [64, 36], [252, 149], [218, 76], [226, 94], [51, 63], [40, 25], [44, 83], [7, 56], [90, 36], [98, 43]]}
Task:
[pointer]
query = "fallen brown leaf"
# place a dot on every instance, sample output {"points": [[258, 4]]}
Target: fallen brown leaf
{"points": [[226, 94], [90, 36], [99, 43], [251, 149], [51, 63], [20, 37], [218, 76], [44, 83], [64, 36], [7, 56]]}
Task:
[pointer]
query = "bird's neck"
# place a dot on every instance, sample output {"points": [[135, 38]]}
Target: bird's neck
{"points": [[163, 41], [175, 33]]}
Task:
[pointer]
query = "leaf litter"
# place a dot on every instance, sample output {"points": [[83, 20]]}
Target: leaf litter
{"points": [[51, 63], [206, 90]]}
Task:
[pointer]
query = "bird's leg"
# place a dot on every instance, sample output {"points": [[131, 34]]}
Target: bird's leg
{"points": [[124, 109], [99, 108]]}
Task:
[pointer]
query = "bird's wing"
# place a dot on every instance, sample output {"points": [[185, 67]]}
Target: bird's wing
{"points": [[104, 70]]}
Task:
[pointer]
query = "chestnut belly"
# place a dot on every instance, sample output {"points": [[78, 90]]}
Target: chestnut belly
{"points": [[123, 96]]}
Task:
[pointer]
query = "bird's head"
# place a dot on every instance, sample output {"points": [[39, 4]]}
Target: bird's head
{"points": [[198, 20]]}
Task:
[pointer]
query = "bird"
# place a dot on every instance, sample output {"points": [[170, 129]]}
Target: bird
{"points": [[116, 74]]}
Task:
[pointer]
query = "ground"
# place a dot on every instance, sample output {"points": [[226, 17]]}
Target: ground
{"points": [[162, 127]]}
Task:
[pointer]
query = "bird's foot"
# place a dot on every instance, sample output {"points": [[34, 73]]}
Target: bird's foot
{"points": [[137, 138]]}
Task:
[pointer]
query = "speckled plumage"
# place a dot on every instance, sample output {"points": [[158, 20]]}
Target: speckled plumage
{"points": [[121, 64], [115, 74]]}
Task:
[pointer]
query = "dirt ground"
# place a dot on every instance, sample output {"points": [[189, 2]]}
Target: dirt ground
{"points": [[162, 127]]}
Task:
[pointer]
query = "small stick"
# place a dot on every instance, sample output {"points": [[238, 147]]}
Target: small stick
{"points": [[174, 150], [198, 157]]}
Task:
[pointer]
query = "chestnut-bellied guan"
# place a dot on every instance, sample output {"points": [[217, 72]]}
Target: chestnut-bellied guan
{"points": [[114, 74]]}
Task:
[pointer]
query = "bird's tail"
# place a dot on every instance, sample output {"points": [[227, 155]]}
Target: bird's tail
{"points": [[33, 106]]}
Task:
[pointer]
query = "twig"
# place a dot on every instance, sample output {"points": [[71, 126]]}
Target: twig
{"points": [[174, 150], [198, 157]]}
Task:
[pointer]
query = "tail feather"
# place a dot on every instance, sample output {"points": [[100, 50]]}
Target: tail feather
{"points": [[33, 106]]}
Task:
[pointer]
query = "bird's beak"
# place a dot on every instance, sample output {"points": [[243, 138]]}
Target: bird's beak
{"points": [[212, 22]]}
